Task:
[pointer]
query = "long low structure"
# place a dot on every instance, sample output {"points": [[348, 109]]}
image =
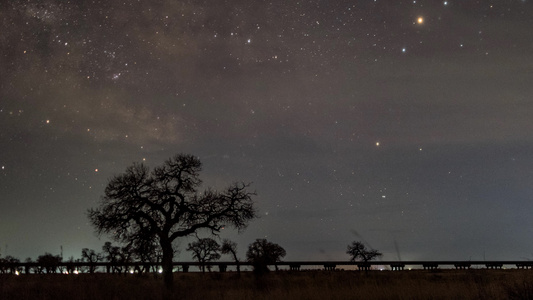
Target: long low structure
{"points": [[141, 267], [401, 265]]}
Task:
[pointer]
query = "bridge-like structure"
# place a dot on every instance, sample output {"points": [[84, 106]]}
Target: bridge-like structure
{"points": [[402, 265], [142, 267]]}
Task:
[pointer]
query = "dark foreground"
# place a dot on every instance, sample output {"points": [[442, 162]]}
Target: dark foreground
{"points": [[439, 284]]}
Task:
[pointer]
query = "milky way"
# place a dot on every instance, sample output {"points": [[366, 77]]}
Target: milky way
{"points": [[404, 124]]}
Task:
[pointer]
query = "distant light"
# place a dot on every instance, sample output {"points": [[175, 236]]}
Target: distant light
{"points": [[403, 50], [420, 20], [76, 272], [96, 170], [445, 2], [131, 271], [377, 144], [160, 271], [17, 273]]}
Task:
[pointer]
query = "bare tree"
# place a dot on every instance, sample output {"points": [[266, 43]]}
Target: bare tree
{"points": [[204, 250], [359, 252], [117, 256], [90, 256], [230, 247], [165, 204], [262, 253], [148, 252]]}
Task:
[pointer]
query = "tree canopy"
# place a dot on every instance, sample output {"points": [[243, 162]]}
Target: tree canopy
{"points": [[262, 253], [49, 262], [358, 251], [204, 250]]}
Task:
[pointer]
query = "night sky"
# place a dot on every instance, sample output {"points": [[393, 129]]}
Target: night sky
{"points": [[403, 124]]}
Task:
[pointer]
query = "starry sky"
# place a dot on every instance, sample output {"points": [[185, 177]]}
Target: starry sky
{"points": [[403, 124]]}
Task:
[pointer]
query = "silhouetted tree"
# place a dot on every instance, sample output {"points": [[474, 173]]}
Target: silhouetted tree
{"points": [[204, 250], [49, 262], [28, 269], [146, 251], [90, 256], [117, 256], [262, 253], [230, 247], [165, 204], [9, 264], [358, 251], [3, 266]]}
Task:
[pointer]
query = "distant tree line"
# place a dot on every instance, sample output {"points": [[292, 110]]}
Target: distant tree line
{"points": [[260, 254]]}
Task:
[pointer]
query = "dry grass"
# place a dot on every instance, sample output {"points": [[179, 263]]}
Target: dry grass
{"points": [[441, 284]]}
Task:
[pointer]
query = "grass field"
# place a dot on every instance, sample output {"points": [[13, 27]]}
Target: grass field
{"points": [[440, 284]]}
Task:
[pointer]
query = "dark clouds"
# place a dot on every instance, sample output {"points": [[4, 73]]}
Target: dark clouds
{"points": [[292, 96]]}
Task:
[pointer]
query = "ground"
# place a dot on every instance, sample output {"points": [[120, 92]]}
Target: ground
{"points": [[416, 284]]}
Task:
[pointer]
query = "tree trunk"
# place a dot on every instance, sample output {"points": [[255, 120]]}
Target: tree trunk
{"points": [[237, 262], [166, 262]]}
